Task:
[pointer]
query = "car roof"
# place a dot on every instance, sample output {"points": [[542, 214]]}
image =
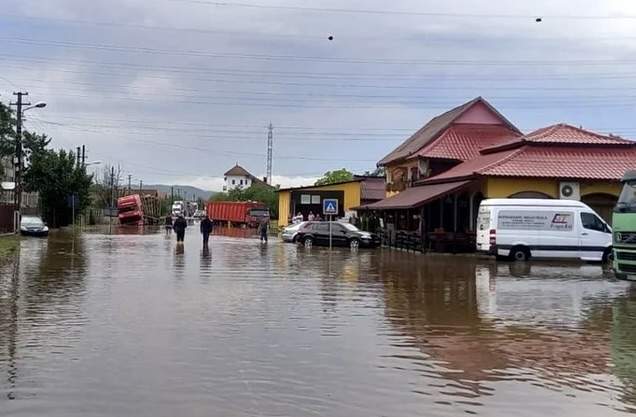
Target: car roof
{"points": [[537, 202]]}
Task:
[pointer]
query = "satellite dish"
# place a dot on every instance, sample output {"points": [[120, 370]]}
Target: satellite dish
{"points": [[8, 186]]}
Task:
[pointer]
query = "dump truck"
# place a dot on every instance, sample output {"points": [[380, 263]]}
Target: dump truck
{"points": [[238, 213], [624, 228], [138, 210]]}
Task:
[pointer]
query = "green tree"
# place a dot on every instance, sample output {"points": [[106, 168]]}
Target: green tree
{"points": [[331, 177], [7, 135], [55, 175]]}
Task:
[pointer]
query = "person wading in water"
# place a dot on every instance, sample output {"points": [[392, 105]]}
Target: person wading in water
{"points": [[263, 227], [206, 229], [179, 227], [168, 224]]}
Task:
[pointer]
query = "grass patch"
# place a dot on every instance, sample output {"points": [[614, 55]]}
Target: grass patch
{"points": [[8, 245]]}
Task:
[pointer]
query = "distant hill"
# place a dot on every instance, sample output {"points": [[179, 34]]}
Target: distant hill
{"points": [[186, 190]]}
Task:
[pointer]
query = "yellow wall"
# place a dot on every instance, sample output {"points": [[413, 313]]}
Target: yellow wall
{"points": [[352, 198], [284, 200], [505, 187], [605, 187]]}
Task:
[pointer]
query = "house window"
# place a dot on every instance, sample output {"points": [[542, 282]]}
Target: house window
{"points": [[233, 182], [415, 174], [241, 182]]}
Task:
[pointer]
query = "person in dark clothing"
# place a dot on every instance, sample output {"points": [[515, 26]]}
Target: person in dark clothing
{"points": [[168, 224], [206, 229], [179, 227], [262, 230]]}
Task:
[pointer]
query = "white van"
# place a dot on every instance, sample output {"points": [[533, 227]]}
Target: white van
{"points": [[525, 228]]}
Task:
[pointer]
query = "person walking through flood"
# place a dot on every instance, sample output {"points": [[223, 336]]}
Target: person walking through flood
{"points": [[263, 227], [206, 228], [168, 224], [179, 227]]}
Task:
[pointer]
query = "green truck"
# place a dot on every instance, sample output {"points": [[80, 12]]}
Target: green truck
{"points": [[624, 228]]}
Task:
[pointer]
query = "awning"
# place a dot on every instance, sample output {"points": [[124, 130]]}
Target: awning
{"points": [[416, 196]]}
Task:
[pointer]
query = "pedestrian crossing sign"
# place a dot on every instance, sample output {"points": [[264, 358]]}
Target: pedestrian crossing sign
{"points": [[330, 207]]}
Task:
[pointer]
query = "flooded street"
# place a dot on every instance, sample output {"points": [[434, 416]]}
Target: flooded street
{"points": [[125, 324]]}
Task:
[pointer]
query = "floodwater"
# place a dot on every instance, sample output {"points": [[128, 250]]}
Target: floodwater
{"points": [[127, 325]]}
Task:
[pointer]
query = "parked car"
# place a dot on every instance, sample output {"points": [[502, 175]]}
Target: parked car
{"points": [[342, 234], [523, 228], [290, 233], [33, 226]]}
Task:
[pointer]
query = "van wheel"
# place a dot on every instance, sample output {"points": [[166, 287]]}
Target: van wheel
{"points": [[608, 256], [308, 242], [519, 253]]}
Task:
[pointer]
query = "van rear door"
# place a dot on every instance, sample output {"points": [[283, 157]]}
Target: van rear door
{"points": [[483, 228]]}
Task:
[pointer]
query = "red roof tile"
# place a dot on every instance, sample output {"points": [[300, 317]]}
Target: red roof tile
{"points": [[562, 134], [434, 128], [565, 162], [546, 162], [463, 141]]}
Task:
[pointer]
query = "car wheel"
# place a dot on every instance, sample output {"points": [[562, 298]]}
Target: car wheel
{"points": [[354, 243], [308, 242], [520, 254], [608, 256], [295, 239]]}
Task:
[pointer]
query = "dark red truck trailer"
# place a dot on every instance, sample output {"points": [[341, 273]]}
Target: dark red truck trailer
{"points": [[249, 213]]}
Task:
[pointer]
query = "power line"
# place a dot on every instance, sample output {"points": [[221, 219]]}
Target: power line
{"points": [[308, 58], [405, 12]]}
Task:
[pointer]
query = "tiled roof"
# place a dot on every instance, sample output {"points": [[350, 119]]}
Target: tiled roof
{"points": [[562, 134], [432, 129], [463, 141], [238, 171], [546, 162]]}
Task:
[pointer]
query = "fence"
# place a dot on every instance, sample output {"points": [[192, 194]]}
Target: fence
{"points": [[6, 217]]}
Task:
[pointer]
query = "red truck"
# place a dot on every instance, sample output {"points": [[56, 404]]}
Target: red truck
{"points": [[249, 213], [137, 210]]}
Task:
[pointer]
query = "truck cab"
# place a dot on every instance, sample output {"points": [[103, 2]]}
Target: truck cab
{"points": [[624, 226]]}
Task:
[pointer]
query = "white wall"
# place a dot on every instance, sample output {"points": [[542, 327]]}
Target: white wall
{"points": [[234, 181]]}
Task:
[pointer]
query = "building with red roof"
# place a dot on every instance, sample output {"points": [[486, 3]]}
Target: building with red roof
{"points": [[437, 177]]}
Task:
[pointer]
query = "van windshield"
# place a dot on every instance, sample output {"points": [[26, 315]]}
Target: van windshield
{"points": [[627, 200]]}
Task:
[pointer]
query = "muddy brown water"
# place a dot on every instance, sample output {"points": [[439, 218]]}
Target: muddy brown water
{"points": [[128, 325]]}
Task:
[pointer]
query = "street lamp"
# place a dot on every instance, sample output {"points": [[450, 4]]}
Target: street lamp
{"points": [[38, 105]]}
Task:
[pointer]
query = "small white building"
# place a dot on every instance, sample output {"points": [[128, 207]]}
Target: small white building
{"points": [[239, 177]]}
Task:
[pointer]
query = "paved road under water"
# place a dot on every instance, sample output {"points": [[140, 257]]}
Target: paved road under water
{"points": [[126, 325]]}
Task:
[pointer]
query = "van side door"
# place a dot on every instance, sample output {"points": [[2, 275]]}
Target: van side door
{"points": [[558, 237], [595, 236]]}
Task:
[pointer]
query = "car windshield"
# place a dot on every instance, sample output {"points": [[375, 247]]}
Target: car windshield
{"points": [[32, 221]]}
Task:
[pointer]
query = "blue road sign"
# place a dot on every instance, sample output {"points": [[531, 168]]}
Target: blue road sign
{"points": [[330, 207]]}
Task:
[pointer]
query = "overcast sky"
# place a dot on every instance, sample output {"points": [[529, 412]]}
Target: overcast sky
{"points": [[178, 91]]}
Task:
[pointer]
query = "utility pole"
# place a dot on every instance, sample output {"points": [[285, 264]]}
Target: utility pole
{"points": [[172, 195], [112, 199], [77, 158], [83, 155], [17, 196], [141, 183], [129, 184], [270, 148]]}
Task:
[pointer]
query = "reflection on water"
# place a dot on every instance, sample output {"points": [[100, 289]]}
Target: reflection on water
{"points": [[132, 324]]}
